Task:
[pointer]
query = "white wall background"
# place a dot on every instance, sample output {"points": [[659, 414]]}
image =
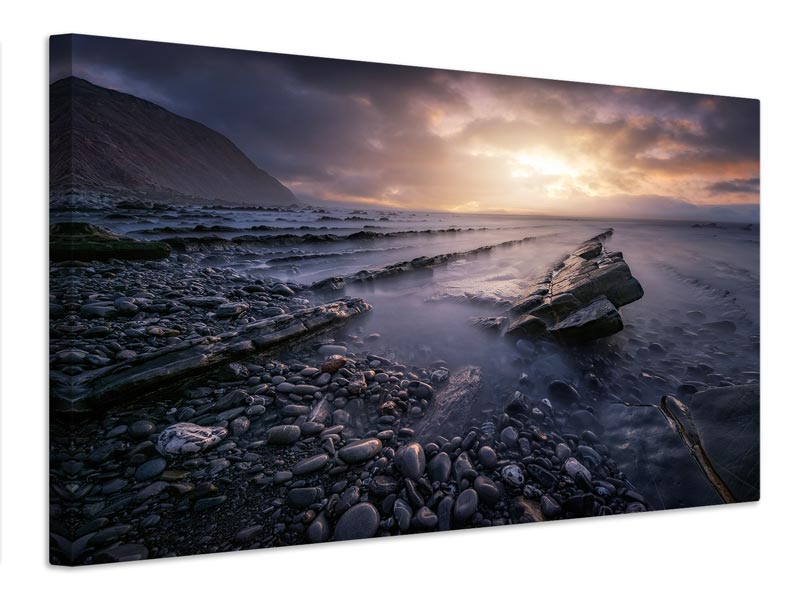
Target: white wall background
{"points": [[730, 48]]}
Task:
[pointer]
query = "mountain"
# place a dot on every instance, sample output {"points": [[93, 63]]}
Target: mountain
{"points": [[104, 139]]}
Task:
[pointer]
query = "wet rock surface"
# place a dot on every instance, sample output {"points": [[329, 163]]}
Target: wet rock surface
{"points": [[577, 302], [345, 433], [359, 468]]}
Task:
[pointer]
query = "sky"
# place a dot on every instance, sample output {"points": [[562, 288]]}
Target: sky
{"points": [[419, 138]]}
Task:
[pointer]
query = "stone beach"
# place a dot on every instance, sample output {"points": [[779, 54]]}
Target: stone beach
{"points": [[202, 407]]}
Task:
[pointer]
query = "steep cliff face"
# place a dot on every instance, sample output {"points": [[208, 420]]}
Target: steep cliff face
{"points": [[106, 139]]}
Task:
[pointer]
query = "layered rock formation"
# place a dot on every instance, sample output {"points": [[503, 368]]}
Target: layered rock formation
{"points": [[576, 302], [175, 364]]}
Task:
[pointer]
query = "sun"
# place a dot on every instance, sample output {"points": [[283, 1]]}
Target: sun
{"points": [[526, 164]]}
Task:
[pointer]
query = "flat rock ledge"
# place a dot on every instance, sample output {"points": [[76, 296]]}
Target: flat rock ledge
{"points": [[577, 301], [422, 263], [172, 365], [71, 241]]}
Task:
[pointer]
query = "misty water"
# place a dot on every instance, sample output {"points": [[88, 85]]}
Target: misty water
{"points": [[424, 316]]}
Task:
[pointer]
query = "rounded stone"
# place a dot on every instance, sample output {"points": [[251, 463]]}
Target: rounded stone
{"points": [[358, 522], [487, 457], [283, 435], [319, 530], [410, 461], [311, 464], [302, 497], [360, 451], [141, 429], [466, 505], [425, 518], [487, 490], [440, 467], [513, 475], [150, 469]]}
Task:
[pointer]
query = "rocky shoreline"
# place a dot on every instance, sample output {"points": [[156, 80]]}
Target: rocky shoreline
{"points": [[197, 418], [327, 447], [197, 409]]}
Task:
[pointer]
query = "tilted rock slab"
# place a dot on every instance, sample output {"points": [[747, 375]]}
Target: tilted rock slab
{"points": [[577, 302], [418, 264], [449, 411], [156, 370]]}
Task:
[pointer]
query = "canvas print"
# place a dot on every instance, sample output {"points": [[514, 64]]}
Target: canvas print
{"points": [[296, 300]]}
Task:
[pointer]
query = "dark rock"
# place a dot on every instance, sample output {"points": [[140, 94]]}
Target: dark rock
{"points": [[439, 467], [283, 435], [598, 319], [425, 519], [487, 490], [311, 464], [466, 505], [528, 326], [319, 530], [360, 451], [150, 469], [302, 497], [410, 461], [358, 522], [248, 535]]}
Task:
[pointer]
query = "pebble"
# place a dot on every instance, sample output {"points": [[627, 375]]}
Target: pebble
{"points": [[358, 522], [361, 451], [283, 435], [402, 514], [141, 429], [509, 437], [248, 535], [425, 518], [319, 530], [302, 497], [487, 490], [311, 464], [574, 468], [410, 461], [487, 457], [439, 467], [150, 469], [466, 505], [329, 349], [550, 508], [208, 503], [513, 475]]}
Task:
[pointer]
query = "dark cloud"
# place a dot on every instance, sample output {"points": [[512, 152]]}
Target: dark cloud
{"points": [[736, 186], [339, 130]]}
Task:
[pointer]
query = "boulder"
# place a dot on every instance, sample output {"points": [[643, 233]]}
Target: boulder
{"points": [[188, 438]]}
